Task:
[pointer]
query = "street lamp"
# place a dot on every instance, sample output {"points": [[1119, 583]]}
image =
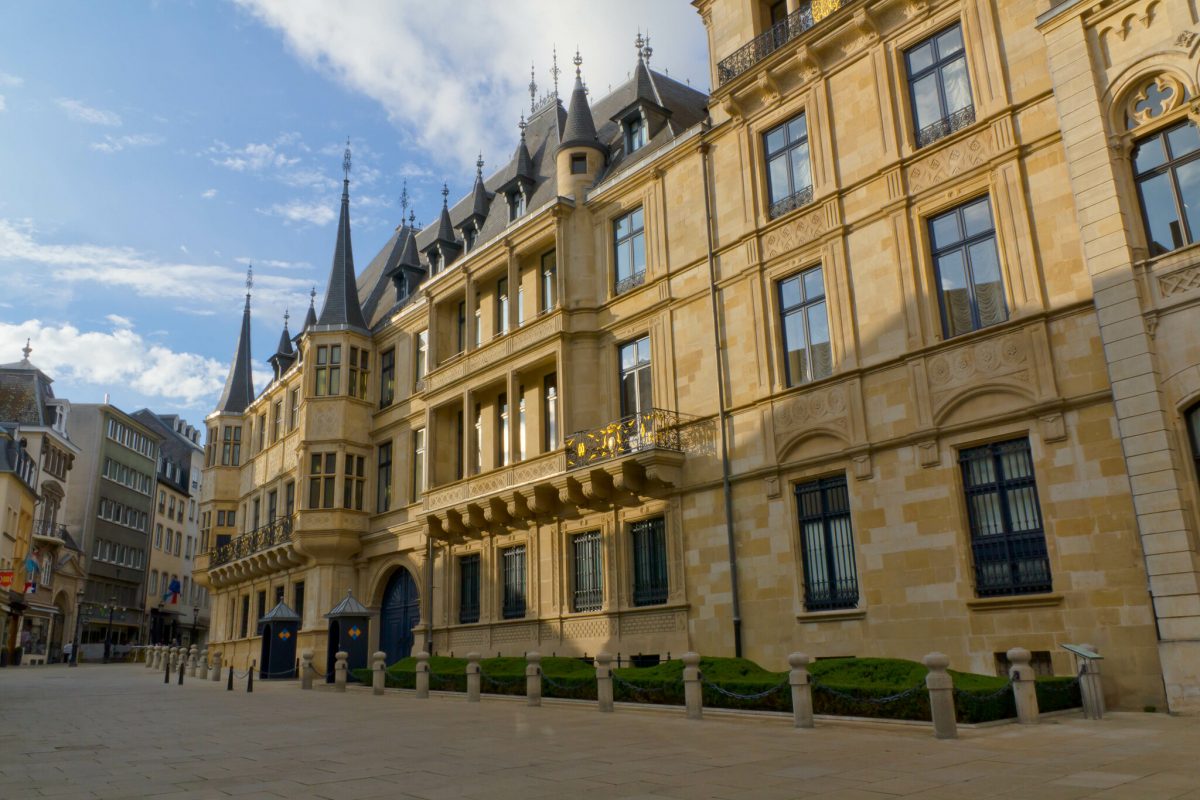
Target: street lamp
{"points": [[195, 616], [74, 660], [112, 607]]}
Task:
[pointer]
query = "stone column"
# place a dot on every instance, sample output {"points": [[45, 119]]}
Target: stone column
{"points": [[1024, 687], [193, 654], [340, 668], [692, 692], [377, 676], [941, 695], [202, 665], [473, 677], [306, 669], [422, 676], [802, 704], [604, 681], [1091, 690], [533, 678], [216, 673]]}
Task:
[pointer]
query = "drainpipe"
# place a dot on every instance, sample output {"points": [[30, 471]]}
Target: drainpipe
{"points": [[726, 487], [428, 592]]}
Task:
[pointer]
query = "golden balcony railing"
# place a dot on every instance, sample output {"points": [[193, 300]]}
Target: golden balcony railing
{"points": [[654, 429], [276, 532]]}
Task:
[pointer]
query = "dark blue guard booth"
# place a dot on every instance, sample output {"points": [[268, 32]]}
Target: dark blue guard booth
{"points": [[278, 628], [349, 623]]}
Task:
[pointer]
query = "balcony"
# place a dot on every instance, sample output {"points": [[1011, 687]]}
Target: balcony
{"points": [[779, 34], [258, 540], [50, 530], [791, 202], [499, 349], [656, 429], [945, 126]]}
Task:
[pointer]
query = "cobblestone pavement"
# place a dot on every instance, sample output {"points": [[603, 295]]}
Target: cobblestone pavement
{"points": [[118, 731]]}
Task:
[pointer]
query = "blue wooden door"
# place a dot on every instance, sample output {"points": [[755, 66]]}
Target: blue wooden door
{"points": [[401, 610]]}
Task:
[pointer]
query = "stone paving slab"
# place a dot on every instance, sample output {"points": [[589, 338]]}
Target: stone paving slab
{"points": [[115, 731]]}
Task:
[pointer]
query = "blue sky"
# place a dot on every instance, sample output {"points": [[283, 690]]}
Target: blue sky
{"points": [[149, 152]]}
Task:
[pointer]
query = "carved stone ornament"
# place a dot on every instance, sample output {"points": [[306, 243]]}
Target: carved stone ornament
{"points": [[1160, 96], [1053, 428], [928, 453]]}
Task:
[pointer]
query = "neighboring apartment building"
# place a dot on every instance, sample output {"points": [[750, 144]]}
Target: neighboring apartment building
{"points": [[50, 607], [18, 495], [110, 502], [182, 615], [812, 363]]}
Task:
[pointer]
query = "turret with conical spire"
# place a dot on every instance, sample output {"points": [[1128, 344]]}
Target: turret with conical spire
{"points": [[481, 200], [341, 307], [310, 318], [285, 355], [239, 385], [580, 154]]}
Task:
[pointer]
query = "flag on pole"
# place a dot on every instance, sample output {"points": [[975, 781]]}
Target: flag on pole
{"points": [[172, 592], [31, 570]]}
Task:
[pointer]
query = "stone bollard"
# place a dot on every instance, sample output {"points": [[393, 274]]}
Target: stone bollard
{"points": [[216, 667], [941, 696], [692, 692], [604, 681], [150, 656], [1091, 689], [422, 676], [533, 678], [193, 655], [340, 668], [377, 676], [306, 669], [801, 683], [202, 665], [1024, 686], [170, 657], [473, 677]]}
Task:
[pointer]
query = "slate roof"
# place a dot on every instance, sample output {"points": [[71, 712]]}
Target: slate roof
{"points": [[341, 306], [24, 392], [349, 607], [239, 384], [282, 612], [580, 128]]}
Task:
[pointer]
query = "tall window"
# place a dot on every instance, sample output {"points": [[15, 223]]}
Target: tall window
{"points": [[352, 484], [383, 480], [359, 365], [789, 175], [549, 281], [521, 424], [419, 359], [245, 628], [1007, 539], [277, 420], [637, 396], [257, 505], [1193, 423], [289, 498], [478, 322], [272, 506], [468, 588], [231, 447], [459, 444], [939, 86], [521, 301], [649, 562], [502, 306], [514, 582], [329, 370], [808, 356], [629, 251], [550, 395], [477, 456], [502, 426], [516, 204], [968, 268], [418, 464], [294, 402], [321, 473], [1166, 167], [589, 571], [387, 378], [262, 432], [635, 133], [462, 326], [827, 545]]}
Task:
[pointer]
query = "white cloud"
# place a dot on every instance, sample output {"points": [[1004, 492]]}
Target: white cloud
{"points": [[82, 112], [115, 144], [10, 80], [273, 262], [117, 359], [3, 107], [183, 249], [297, 211], [124, 268], [455, 85], [209, 194], [119, 321]]}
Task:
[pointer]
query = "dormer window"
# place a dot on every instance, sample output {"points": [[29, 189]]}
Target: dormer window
{"points": [[516, 204], [635, 133], [435, 261], [469, 233]]}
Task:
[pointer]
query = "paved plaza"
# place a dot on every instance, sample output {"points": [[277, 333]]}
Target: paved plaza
{"points": [[118, 731]]}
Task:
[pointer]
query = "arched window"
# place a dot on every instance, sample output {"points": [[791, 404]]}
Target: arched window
{"points": [[1166, 169], [1193, 423]]}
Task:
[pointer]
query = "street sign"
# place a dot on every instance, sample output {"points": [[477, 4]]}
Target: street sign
{"points": [[6, 578]]}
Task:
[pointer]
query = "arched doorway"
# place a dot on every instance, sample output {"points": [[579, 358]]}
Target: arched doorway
{"points": [[398, 615]]}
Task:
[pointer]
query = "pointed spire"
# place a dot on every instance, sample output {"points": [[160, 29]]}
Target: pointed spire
{"points": [[310, 318], [341, 306], [554, 70], [284, 355], [239, 384], [404, 201], [26, 350], [580, 129], [285, 338], [532, 89], [522, 158], [445, 231]]}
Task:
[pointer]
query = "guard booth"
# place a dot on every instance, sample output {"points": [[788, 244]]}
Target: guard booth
{"points": [[278, 628], [349, 623]]}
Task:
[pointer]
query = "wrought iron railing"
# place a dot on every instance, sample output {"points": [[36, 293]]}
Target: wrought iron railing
{"points": [[631, 282], [262, 538], [946, 126], [645, 430], [49, 529], [791, 202], [775, 37]]}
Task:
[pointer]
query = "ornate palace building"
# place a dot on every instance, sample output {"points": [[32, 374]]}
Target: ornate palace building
{"points": [[854, 356]]}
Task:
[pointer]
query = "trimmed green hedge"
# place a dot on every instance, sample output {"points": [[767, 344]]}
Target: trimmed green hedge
{"points": [[886, 688]]}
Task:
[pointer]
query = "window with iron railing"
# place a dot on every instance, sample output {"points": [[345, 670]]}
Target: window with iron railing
{"points": [[629, 251], [783, 30], [939, 86], [649, 561], [589, 572], [513, 559], [789, 175], [468, 588], [827, 545]]}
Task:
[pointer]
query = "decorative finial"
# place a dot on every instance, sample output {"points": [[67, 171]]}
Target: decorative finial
{"points": [[312, 297], [554, 70], [412, 219], [286, 317], [647, 51], [479, 165], [249, 283], [26, 350], [532, 88], [346, 160], [522, 125], [578, 60], [445, 194], [403, 201], [639, 43]]}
